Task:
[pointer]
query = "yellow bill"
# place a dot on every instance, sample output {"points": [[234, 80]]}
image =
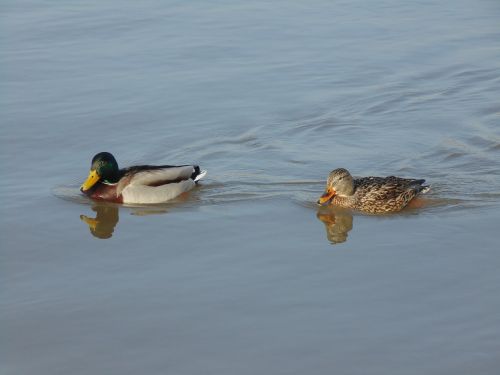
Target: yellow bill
{"points": [[90, 181], [92, 223]]}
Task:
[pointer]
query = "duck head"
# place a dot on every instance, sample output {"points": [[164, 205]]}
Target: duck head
{"points": [[103, 168], [339, 182]]}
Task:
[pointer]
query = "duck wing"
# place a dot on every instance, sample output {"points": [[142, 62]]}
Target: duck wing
{"points": [[386, 193], [156, 184], [153, 175]]}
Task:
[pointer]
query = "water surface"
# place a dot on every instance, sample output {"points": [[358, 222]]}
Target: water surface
{"points": [[246, 274]]}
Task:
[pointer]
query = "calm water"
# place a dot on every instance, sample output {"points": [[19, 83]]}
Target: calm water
{"points": [[245, 275]]}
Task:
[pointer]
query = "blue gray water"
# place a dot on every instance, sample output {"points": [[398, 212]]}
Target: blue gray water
{"points": [[245, 274]]}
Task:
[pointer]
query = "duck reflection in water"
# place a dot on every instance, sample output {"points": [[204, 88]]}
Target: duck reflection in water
{"points": [[103, 225], [338, 223], [107, 216]]}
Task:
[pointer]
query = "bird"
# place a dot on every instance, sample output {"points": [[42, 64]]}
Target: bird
{"points": [[141, 184], [370, 194]]}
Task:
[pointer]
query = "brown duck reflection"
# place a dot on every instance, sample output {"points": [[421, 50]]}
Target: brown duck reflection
{"points": [[103, 225], [338, 223]]}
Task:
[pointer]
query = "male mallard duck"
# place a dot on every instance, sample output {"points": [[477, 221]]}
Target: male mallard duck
{"points": [[138, 184], [370, 194]]}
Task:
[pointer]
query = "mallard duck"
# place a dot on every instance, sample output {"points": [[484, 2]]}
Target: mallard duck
{"points": [[138, 184], [370, 194]]}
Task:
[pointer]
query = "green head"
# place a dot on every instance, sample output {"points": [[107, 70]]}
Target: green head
{"points": [[103, 168]]}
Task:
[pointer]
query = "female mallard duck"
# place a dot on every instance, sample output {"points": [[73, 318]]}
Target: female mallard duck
{"points": [[138, 184], [370, 194]]}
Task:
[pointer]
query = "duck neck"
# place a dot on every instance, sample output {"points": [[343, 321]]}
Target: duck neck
{"points": [[343, 200], [112, 178]]}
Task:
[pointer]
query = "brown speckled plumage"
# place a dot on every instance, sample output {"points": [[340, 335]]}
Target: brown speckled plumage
{"points": [[371, 194]]}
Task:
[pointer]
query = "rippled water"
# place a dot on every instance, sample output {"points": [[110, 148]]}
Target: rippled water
{"points": [[246, 274]]}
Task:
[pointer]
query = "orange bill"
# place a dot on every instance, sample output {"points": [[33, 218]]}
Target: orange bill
{"points": [[327, 195]]}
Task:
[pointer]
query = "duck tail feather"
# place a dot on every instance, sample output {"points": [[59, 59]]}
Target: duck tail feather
{"points": [[200, 175], [424, 189]]}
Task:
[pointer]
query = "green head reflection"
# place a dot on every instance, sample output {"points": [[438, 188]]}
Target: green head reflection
{"points": [[107, 216], [103, 225]]}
